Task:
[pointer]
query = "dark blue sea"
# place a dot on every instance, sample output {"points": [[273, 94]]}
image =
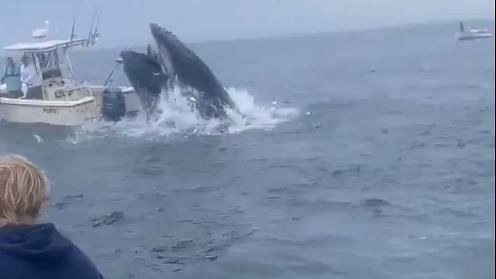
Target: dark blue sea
{"points": [[367, 155]]}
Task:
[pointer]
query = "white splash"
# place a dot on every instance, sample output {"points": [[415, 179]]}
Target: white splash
{"points": [[179, 118]]}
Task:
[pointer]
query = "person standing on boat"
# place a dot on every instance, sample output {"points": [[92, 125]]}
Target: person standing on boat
{"points": [[31, 250], [12, 79], [30, 77]]}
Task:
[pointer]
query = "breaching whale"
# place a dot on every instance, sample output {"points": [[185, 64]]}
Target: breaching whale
{"points": [[174, 64]]}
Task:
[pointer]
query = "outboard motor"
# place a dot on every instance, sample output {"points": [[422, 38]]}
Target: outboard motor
{"points": [[113, 104]]}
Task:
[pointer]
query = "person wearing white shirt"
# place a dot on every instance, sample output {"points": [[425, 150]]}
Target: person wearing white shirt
{"points": [[30, 77]]}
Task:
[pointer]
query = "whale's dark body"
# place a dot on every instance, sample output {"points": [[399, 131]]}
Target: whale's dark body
{"points": [[174, 64]]}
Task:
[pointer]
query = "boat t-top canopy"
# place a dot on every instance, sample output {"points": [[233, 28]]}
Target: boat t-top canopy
{"points": [[45, 46], [50, 57]]}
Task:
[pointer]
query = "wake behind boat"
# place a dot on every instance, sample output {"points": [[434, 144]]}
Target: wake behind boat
{"points": [[472, 34]]}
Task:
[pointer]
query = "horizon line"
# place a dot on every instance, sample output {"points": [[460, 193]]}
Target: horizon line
{"points": [[289, 35], [313, 33]]}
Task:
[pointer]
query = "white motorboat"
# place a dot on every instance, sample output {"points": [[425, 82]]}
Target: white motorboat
{"points": [[472, 34], [65, 101]]}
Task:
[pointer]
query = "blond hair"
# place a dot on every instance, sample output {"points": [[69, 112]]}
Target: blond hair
{"points": [[23, 190]]}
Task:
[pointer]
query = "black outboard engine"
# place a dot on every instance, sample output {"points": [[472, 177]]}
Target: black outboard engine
{"points": [[113, 104]]}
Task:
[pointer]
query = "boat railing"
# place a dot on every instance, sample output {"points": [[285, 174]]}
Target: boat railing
{"points": [[91, 94]]}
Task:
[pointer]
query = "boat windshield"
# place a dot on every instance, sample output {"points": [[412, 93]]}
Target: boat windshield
{"points": [[50, 64]]}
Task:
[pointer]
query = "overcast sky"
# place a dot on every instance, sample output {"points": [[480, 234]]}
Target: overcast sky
{"points": [[125, 22]]}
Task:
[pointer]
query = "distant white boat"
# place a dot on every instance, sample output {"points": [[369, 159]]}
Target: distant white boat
{"points": [[472, 34]]}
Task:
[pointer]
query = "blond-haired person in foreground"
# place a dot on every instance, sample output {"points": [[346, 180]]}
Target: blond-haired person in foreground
{"points": [[29, 250]]}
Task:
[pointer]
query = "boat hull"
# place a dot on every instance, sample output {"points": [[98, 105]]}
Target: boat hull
{"points": [[57, 113], [62, 113], [473, 36]]}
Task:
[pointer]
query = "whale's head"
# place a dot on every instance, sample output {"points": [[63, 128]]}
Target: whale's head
{"points": [[145, 74]]}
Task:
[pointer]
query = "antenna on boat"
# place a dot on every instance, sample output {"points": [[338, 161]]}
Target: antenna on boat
{"points": [[118, 62], [73, 35], [93, 34]]}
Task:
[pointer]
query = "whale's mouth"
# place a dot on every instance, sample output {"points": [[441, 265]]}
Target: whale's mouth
{"points": [[160, 37], [165, 60]]}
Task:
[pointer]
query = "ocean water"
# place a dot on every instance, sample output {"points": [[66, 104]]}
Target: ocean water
{"points": [[365, 155]]}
